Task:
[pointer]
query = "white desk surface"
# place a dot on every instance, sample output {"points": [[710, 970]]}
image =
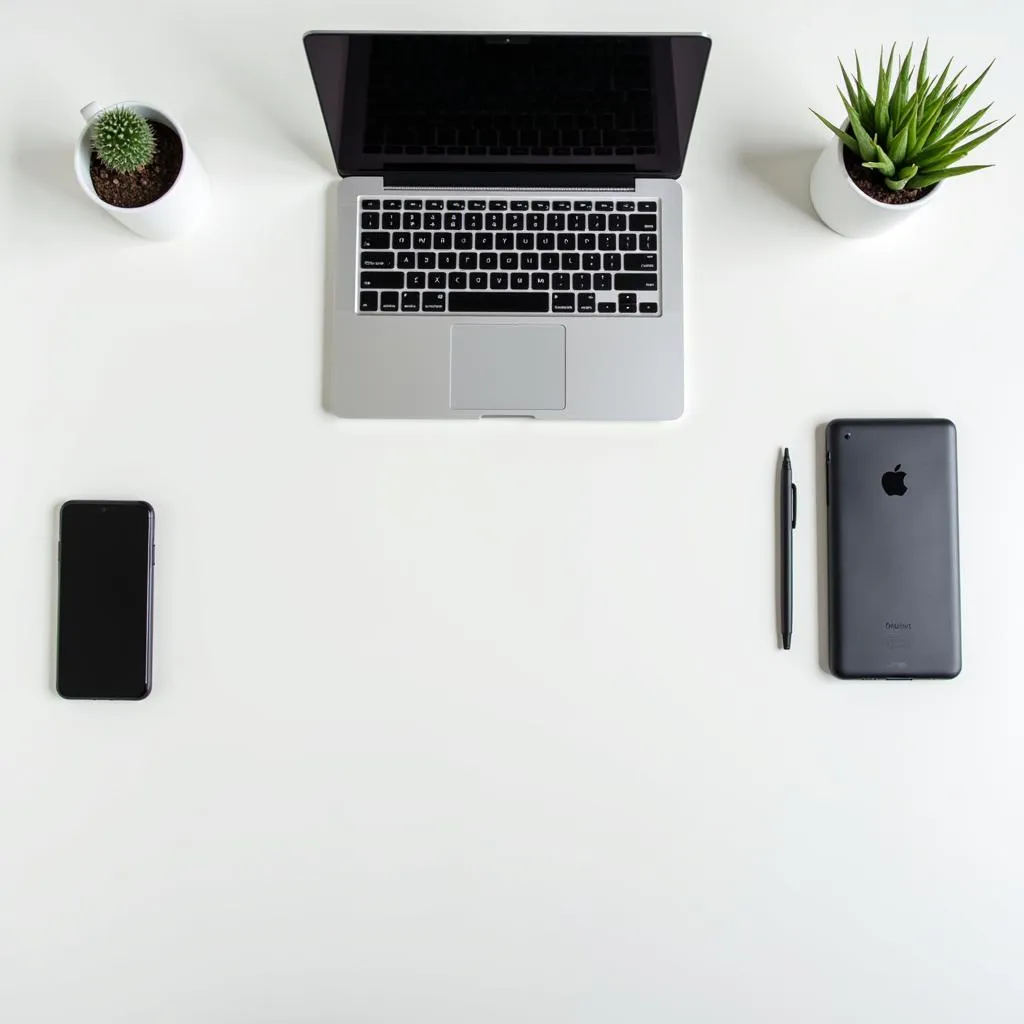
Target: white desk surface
{"points": [[485, 722]]}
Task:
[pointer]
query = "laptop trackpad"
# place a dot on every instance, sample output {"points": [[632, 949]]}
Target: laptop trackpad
{"points": [[508, 367]]}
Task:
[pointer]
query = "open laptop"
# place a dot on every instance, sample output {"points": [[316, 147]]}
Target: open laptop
{"points": [[507, 236]]}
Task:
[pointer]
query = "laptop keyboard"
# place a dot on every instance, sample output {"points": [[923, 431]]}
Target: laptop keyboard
{"points": [[562, 257]]}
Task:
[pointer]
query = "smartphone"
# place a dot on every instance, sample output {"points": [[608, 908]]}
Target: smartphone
{"points": [[106, 556], [893, 549]]}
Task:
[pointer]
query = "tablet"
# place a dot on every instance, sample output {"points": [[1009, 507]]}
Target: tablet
{"points": [[893, 549]]}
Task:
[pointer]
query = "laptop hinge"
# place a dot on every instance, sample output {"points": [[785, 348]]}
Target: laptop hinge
{"points": [[487, 179]]}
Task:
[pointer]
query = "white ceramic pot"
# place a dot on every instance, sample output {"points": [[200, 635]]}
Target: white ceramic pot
{"points": [[178, 210], [845, 208]]}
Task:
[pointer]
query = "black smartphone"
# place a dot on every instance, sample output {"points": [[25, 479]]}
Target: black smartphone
{"points": [[893, 549], [106, 556]]}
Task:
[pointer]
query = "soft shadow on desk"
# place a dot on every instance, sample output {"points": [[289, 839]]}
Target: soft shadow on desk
{"points": [[785, 170], [821, 541]]}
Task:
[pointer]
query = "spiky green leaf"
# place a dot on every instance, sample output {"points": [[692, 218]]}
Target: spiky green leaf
{"points": [[922, 68], [902, 90], [898, 146], [940, 163], [865, 144], [899, 180], [865, 105], [882, 91], [848, 140], [851, 89], [881, 163], [924, 180], [954, 105], [952, 138]]}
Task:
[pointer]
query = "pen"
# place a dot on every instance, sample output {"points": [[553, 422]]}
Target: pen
{"points": [[787, 524]]}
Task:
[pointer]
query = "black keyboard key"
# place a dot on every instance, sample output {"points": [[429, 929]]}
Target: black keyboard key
{"points": [[581, 282], [367, 302], [433, 302], [570, 261], [540, 282], [426, 260], [560, 282], [371, 204], [401, 240], [453, 222], [604, 206], [473, 222], [410, 302], [412, 221], [488, 261], [478, 281], [467, 261], [524, 240], [375, 240], [535, 222], [413, 204], [606, 242], [520, 281], [483, 240], [455, 204], [607, 307], [433, 221], [505, 240], [636, 282], [442, 240], [389, 302], [391, 221], [648, 307], [494, 221], [529, 261], [576, 222], [627, 243], [627, 206], [406, 260], [497, 204], [509, 261], [639, 261], [556, 222], [446, 260], [437, 281], [586, 241], [561, 204], [563, 302], [617, 222], [549, 261], [392, 204], [377, 260], [591, 261], [627, 302], [648, 207], [582, 204], [463, 240], [435, 204], [612, 261], [566, 242], [540, 204], [545, 241], [643, 222], [477, 204], [499, 281], [603, 282], [498, 302], [457, 280], [597, 222], [370, 221], [648, 243], [514, 222], [586, 302], [381, 279], [416, 280], [421, 240], [520, 204]]}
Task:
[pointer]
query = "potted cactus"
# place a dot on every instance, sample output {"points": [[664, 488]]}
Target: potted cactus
{"points": [[135, 162], [896, 148]]}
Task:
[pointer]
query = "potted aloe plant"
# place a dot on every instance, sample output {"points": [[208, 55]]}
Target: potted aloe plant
{"points": [[135, 162], [895, 148]]}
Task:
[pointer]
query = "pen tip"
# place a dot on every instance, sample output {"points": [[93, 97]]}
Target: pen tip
{"points": [[785, 453], [786, 641]]}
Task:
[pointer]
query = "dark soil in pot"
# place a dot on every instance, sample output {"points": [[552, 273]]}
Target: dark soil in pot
{"points": [[871, 183], [145, 186]]}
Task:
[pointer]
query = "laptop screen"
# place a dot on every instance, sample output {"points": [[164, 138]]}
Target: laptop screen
{"points": [[604, 102]]}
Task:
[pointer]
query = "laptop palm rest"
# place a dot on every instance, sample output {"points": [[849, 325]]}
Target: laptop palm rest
{"points": [[508, 367]]}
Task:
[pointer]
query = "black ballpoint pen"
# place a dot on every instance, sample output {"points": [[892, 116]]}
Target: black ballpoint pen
{"points": [[787, 524]]}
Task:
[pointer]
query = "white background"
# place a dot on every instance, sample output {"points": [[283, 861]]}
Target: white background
{"points": [[485, 722]]}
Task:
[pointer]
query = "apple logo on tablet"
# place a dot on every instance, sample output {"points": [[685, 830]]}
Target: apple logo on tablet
{"points": [[892, 482]]}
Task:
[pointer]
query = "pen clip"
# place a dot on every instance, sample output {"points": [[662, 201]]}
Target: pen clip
{"points": [[793, 525]]}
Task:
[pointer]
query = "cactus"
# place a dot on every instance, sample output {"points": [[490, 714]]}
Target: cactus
{"points": [[123, 140]]}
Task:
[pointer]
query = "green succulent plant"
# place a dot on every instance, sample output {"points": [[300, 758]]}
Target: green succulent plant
{"points": [[123, 140], [905, 132]]}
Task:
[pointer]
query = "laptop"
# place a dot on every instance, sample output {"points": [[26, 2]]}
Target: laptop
{"points": [[506, 239]]}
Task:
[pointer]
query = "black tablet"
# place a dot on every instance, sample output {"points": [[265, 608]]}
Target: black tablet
{"points": [[893, 549]]}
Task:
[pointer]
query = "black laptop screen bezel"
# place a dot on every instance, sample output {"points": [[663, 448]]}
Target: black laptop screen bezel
{"points": [[339, 62]]}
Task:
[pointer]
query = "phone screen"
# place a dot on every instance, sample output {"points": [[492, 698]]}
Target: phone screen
{"points": [[105, 596]]}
